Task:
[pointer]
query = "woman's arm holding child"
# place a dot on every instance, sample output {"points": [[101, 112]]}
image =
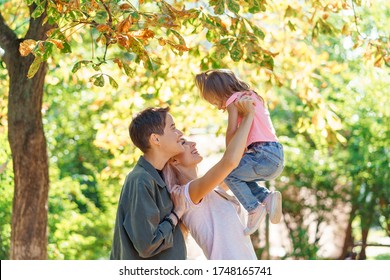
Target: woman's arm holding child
{"points": [[231, 158]]}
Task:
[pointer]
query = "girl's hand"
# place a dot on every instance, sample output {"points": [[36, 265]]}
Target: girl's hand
{"points": [[178, 199], [245, 105]]}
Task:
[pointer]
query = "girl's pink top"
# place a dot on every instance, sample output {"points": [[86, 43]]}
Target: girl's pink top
{"points": [[262, 129]]}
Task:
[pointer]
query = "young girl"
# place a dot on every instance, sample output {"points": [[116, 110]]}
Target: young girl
{"points": [[220, 238], [264, 158]]}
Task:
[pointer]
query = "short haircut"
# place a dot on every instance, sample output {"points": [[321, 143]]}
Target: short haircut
{"points": [[145, 123]]}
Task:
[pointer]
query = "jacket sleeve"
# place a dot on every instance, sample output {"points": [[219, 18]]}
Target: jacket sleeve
{"points": [[143, 219]]}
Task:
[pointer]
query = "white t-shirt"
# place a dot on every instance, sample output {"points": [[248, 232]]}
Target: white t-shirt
{"points": [[217, 225]]}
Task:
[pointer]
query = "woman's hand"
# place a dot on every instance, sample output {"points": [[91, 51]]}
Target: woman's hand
{"points": [[245, 105], [178, 199]]}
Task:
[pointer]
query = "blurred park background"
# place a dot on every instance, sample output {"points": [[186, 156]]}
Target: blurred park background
{"points": [[322, 67]]}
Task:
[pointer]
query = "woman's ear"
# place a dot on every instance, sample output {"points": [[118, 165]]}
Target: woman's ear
{"points": [[174, 162]]}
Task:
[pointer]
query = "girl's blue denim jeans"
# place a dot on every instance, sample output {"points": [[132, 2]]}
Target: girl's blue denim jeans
{"points": [[263, 162]]}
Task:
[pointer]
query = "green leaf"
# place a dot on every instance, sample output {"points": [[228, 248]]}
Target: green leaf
{"points": [[254, 9], [211, 36], [38, 11], [96, 67], [148, 63], [48, 50], [233, 6], [215, 22], [268, 62], [53, 14], [291, 26], [251, 50], [220, 51], [226, 42], [135, 15], [262, 5], [78, 65], [98, 80], [138, 48], [113, 83], [67, 48], [290, 12], [325, 27], [101, 17], [178, 36], [315, 31], [219, 6], [258, 32], [34, 67], [257, 6], [128, 70], [236, 52], [254, 6]]}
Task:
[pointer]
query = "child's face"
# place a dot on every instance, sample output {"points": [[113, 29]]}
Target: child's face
{"points": [[219, 103]]}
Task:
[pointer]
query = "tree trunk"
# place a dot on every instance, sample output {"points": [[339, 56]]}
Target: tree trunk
{"points": [[28, 145], [365, 228], [362, 254], [30, 163], [347, 251]]}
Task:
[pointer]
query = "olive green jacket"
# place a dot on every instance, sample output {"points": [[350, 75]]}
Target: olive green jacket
{"points": [[140, 232]]}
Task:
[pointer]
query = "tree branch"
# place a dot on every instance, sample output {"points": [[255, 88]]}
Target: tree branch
{"points": [[108, 12], [9, 42], [356, 21], [37, 30]]}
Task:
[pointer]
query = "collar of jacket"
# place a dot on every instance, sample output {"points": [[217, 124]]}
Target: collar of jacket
{"points": [[152, 171]]}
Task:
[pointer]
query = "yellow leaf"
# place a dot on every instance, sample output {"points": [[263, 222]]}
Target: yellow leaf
{"points": [[333, 120], [142, 34], [125, 6], [50, 32], [123, 41], [60, 7], [102, 27], [59, 44], [119, 62], [34, 67], [318, 121], [378, 61], [325, 15], [124, 26], [341, 138], [27, 46], [41, 46], [161, 41], [345, 30]]}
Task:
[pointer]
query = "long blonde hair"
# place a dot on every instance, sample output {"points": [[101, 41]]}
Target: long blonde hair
{"points": [[171, 175], [219, 84], [171, 178]]}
